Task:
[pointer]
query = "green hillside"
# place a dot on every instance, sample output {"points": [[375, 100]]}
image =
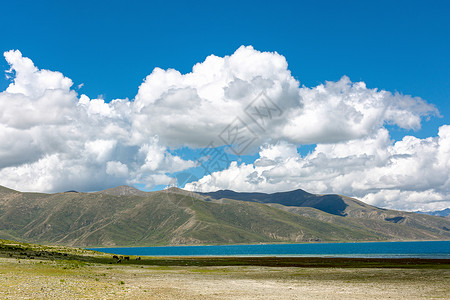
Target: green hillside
{"points": [[128, 217]]}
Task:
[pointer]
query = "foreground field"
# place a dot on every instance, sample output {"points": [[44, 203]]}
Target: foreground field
{"points": [[30, 271], [34, 279]]}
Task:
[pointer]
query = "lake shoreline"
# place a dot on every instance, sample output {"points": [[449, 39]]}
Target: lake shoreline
{"points": [[413, 249], [300, 262], [264, 244]]}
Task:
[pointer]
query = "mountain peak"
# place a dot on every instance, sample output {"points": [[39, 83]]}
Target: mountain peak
{"points": [[123, 190], [177, 190], [173, 189]]}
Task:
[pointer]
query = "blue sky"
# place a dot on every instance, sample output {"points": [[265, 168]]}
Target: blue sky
{"points": [[109, 47]]}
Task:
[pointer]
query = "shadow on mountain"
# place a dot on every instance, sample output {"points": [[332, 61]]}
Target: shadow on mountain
{"points": [[332, 204]]}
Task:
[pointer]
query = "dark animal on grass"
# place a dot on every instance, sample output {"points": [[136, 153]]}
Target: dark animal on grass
{"points": [[116, 257], [138, 258], [127, 258], [119, 261]]}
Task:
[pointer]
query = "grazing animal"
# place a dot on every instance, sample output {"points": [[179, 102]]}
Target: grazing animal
{"points": [[138, 258], [127, 258], [116, 257], [121, 257], [119, 261]]}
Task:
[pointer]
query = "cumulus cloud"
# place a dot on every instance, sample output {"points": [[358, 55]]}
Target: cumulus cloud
{"points": [[411, 174], [30, 81], [54, 139], [340, 111], [116, 168], [193, 109]]}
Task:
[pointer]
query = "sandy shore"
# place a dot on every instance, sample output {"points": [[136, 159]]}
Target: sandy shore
{"points": [[43, 279]]}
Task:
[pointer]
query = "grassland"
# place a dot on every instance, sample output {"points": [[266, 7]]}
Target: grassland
{"points": [[42, 272]]}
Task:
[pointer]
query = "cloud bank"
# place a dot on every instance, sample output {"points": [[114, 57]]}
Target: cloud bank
{"points": [[54, 139], [411, 174]]}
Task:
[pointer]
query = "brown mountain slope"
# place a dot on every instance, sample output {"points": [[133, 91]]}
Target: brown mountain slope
{"points": [[129, 217]]}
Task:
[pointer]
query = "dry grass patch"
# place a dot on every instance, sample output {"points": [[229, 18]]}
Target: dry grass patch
{"points": [[39, 279]]}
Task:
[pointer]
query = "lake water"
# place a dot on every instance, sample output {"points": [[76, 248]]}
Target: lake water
{"points": [[433, 249]]}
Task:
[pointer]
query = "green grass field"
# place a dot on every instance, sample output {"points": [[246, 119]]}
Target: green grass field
{"points": [[30, 271]]}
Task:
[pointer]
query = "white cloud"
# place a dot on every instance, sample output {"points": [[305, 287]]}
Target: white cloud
{"points": [[116, 168], [340, 111], [54, 139], [194, 108], [428, 200], [30, 81], [410, 174], [99, 151]]}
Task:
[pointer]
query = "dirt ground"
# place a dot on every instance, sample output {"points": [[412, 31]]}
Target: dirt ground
{"points": [[43, 279]]}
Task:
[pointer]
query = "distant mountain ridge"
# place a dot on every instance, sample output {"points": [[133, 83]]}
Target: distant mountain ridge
{"points": [[125, 216], [439, 213], [332, 204]]}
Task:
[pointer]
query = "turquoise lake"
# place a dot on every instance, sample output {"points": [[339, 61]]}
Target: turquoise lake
{"points": [[428, 249]]}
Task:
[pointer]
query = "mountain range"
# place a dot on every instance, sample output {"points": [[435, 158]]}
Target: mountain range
{"points": [[125, 216], [440, 213]]}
